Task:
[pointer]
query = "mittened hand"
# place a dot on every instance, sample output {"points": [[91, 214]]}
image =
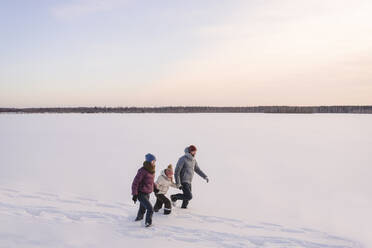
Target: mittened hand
{"points": [[207, 179], [134, 198], [180, 187], [156, 190]]}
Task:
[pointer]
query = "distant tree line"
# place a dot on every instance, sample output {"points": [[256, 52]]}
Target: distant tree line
{"points": [[198, 109]]}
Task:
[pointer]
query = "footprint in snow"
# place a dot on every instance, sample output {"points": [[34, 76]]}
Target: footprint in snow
{"points": [[184, 226]]}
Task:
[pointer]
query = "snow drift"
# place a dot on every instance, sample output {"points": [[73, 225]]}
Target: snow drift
{"points": [[276, 180]]}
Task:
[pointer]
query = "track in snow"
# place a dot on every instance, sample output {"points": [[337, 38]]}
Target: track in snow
{"points": [[182, 226]]}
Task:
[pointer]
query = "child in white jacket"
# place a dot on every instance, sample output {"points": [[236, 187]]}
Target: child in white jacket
{"points": [[165, 180]]}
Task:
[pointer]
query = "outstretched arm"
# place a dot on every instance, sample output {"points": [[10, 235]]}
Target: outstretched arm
{"points": [[174, 185], [199, 171], [177, 173]]}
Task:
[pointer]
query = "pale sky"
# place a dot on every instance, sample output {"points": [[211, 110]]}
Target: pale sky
{"points": [[194, 52]]}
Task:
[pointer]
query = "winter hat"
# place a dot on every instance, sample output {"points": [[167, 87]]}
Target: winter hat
{"points": [[149, 157], [192, 148]]}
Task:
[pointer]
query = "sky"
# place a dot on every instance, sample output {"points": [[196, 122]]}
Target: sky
{"points": [[172, 52]]}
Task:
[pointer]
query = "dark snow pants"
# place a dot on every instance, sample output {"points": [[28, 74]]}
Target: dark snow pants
{"points": [[186, 196], [145, 204], [160, 200]]}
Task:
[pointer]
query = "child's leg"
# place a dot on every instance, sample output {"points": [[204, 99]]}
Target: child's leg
{"points": [[145, 201], [167, 206], [141, 212], [158, 204]]}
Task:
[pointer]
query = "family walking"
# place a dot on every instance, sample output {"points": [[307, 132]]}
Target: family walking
{"points": [[144, 184]]}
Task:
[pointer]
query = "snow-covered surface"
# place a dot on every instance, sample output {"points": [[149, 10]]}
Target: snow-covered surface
{"points": [[276, 180], [43, 219]]}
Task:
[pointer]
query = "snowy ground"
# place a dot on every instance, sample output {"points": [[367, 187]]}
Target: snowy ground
{"points": [[48, 220], [276, 180]]}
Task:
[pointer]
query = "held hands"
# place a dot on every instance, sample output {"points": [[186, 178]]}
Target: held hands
{"points": [[134, 198], [156, 190]]}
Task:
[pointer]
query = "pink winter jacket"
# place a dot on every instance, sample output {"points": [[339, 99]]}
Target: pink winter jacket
{"points": [[143, 182]]}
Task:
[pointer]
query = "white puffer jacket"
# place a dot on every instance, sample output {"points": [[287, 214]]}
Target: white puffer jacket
{"points": [[163, 183]]}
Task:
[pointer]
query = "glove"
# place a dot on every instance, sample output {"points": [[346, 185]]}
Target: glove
{"points": [[156, 190], [207, 179], [180, 187], [134, 198]]}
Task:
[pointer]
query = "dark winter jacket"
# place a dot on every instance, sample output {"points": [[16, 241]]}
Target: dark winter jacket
{"points": [[144, 180], [186, 166]]}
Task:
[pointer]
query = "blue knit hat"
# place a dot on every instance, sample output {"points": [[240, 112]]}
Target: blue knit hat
{"points": [[149, 157]]}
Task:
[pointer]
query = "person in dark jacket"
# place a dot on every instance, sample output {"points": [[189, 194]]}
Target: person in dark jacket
{"points": [[142, 187], [186, 166]]}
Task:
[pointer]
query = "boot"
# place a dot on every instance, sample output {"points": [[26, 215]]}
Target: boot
{"points": [[167, 211], [148, 224], [138, 218], [185, 203], [174, 200]]}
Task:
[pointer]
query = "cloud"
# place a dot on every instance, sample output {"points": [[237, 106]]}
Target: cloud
{"points": [[79, 8], [254, 60]]}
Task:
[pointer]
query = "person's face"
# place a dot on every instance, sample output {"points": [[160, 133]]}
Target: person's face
{"points": [[153, 162], [193, 153], [168, 173]]}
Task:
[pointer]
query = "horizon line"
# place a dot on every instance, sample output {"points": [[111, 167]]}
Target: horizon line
{"points": [[353, 109], [190, 106]]}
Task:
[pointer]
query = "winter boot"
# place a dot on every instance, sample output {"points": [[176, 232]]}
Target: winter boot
{"points": [[174, 200], [167, 211], [138, 218]]}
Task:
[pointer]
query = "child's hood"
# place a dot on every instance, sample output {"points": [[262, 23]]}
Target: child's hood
{"points": [[165, 175]]}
